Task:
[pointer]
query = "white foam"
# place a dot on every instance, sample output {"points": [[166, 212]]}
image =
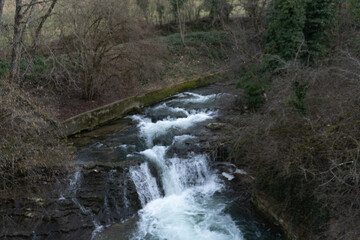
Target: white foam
{"points": [[189, 97], [145, 183], [186, 216], [182, 138], [150, 130], [122, 146], [240, 171], [177, 174], [228, 176], [172, 109]]}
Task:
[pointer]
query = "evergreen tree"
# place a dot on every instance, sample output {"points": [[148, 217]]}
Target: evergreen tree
{"points": [[297, 27], [320, 18], [284, 36]]}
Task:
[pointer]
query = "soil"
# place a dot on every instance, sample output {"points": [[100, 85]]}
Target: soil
{"points": [[71, 103]]}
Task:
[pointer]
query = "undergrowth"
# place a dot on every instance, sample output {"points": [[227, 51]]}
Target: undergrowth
{"points": [[308, 162], [30, 147], [214, 44]]}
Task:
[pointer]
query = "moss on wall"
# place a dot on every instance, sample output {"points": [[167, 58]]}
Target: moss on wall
{"points": [[100, 116]]}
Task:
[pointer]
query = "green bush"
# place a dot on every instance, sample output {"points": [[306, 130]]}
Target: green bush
{"points": [[320, 18], [284, 34], [213, 44], [256, 80], [4, 68], [355, 7], [300, 92], [300, 28]]}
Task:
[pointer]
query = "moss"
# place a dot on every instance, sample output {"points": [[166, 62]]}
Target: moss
{"points": [[103, 115]]}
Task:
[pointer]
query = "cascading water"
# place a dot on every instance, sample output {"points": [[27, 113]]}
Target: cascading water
{"points": [[181, 197], [188, 209], [145, 183]]}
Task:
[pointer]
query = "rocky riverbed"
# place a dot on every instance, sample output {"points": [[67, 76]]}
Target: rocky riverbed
{"points": [[101, 198]]}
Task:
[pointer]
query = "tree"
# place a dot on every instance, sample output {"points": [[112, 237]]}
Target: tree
{"points": [[284, 35], [219, 10], [1, 10], [320, 17], [93, 34], [24, 15], [255, 9], [160, 9], [37, 35], [355, 9], [143, 5], [177, 6], [300, 28]]}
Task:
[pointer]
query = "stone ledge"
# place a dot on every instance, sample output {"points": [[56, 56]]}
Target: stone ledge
{"points": [[94, 118]]}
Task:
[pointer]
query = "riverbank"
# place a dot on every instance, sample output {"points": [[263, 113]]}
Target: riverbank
{"points": [[100, 116], [98, 193]]}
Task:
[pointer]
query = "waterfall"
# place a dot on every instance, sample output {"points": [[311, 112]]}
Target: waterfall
{"points": [[160, 167], [188, 209], [145, 183]]}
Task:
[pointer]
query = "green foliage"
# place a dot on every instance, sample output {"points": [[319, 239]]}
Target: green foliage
{"points": [[213, 44], [284, 35], [255, 81], [218, 9], [297, 29], [300, 28], [4, 68], [355, 8], [39, 68], [320, 17], [176, 5], [300, 92]]}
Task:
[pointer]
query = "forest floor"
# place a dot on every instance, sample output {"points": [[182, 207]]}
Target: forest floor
{"points": [[204, 53]]}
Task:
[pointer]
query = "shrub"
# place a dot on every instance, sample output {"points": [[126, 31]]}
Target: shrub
{"points": [[30, 149], [92, 36], [213, 44], [284, 34], [300, 92], [300, 28], [320, 19], [309, 164]]}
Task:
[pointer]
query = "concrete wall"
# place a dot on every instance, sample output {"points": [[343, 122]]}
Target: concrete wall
{"points": [[105, 114]]}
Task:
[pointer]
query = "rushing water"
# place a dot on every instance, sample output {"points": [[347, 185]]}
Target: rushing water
{"points": [[183, 199]]}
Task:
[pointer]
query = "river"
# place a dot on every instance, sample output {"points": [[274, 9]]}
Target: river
{"points": [[181, 196]]}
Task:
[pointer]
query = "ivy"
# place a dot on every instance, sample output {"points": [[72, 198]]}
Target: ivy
{"points": [[320, 17], [284, 35], [300, 28]]}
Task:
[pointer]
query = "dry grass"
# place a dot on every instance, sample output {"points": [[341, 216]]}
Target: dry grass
{"points": [[30, 149]]}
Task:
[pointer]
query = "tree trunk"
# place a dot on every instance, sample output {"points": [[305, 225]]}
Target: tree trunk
{"points": [[17, 46], [37, 35], [18, 37], [181, 24], [1, 10]]}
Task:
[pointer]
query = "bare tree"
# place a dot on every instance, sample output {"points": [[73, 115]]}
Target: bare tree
{"points": [[37, 35], [143, 5], [219, 10], [92, 36], [17, 40], [256, 11], [177, 9], [2, 2], [160, 9], [24, 15], [180, 22]]}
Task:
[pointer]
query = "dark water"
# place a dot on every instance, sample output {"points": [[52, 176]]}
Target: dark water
{"points": [[182, 197]]}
